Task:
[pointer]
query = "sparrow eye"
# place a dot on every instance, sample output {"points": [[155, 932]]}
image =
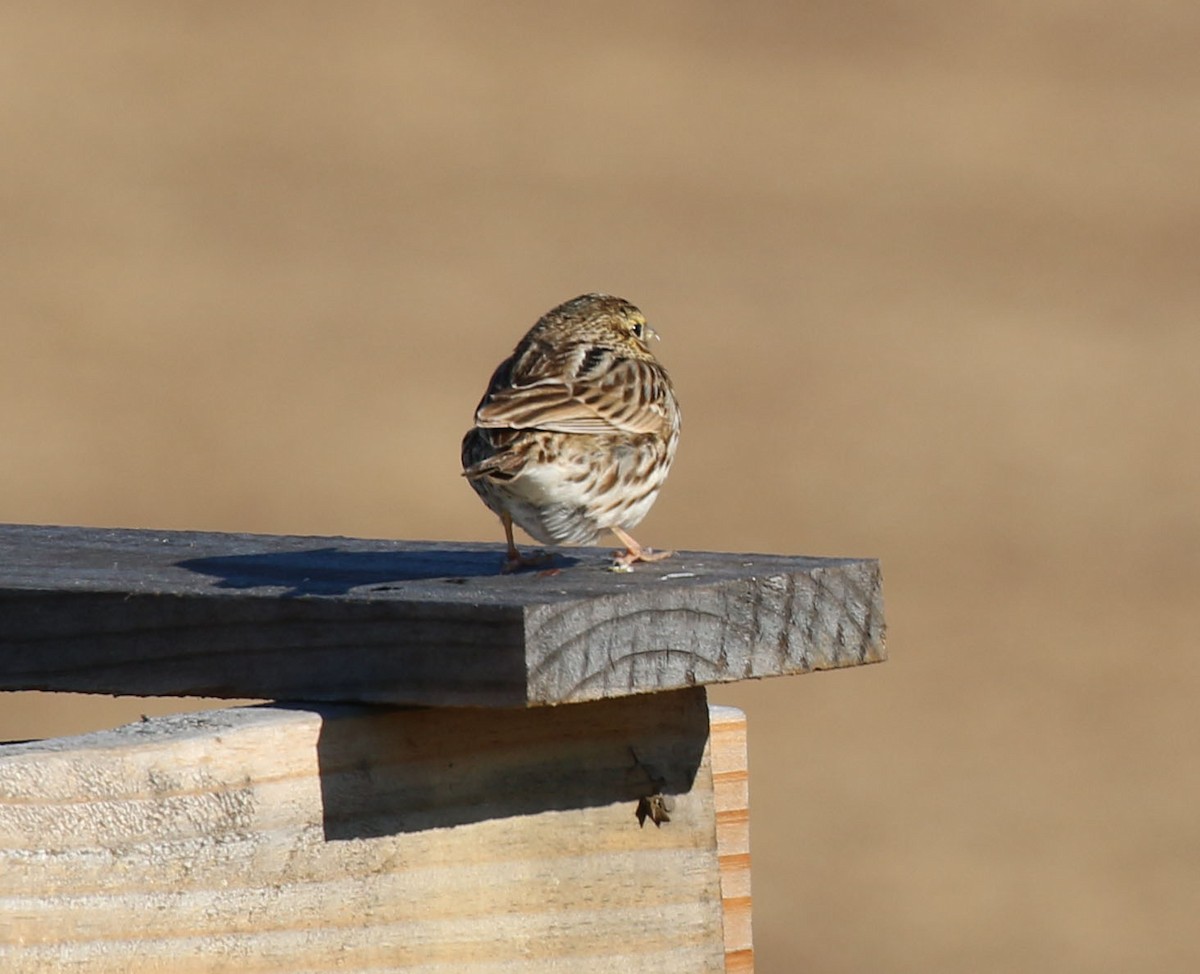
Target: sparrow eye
{"points": [[638, 330]]}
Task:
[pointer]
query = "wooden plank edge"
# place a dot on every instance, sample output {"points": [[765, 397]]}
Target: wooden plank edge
{"points": [[731, 795]]}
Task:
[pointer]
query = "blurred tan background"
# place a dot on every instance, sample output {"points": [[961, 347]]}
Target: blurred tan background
{"points": [[928, 277]]}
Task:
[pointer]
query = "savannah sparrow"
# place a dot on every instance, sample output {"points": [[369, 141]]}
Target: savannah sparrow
{"points": [[577, 430]]}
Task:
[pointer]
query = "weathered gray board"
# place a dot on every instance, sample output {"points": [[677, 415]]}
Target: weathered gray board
{"points": [[300, 618]]}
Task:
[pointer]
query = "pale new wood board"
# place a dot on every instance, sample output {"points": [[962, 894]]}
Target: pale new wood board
{"points": [[354, 839]]}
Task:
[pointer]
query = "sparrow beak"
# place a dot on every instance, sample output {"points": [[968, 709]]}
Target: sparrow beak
{"points": [[648, 332]]}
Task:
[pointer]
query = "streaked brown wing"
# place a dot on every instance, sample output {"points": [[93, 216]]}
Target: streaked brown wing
{"points": [[625, 395]]}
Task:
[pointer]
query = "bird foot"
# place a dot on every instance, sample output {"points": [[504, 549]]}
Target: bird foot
{"points": [[626, 558], [515, 561], [634, 552]]}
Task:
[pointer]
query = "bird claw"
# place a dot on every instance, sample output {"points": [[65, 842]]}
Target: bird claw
{"points": [[634, 552], [624, 560]]}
